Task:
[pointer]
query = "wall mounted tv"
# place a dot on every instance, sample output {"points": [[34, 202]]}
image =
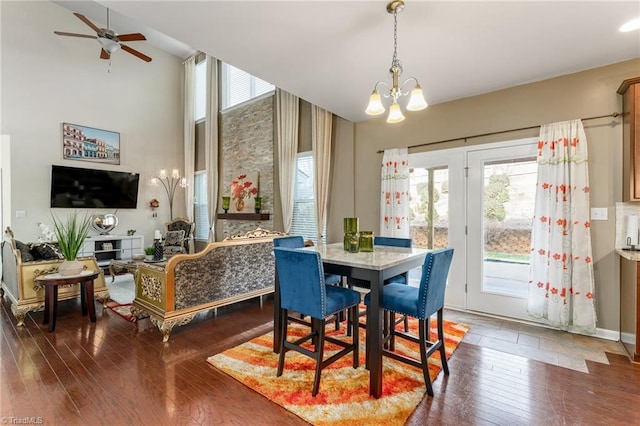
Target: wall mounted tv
{"points": [[74, 187]]}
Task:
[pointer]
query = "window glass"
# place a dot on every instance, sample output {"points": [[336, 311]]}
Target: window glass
{"points": [[239, 86], [304, 203], [200, 90], [200, 211]]}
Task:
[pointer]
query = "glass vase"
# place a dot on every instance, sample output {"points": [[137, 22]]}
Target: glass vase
{"points": [[366, 241]]}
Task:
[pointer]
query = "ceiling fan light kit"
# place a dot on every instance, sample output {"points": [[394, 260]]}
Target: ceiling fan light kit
{"points": [[416, 100], [108, 40]]}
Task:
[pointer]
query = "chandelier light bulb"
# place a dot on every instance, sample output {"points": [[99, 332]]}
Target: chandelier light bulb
{"points": [[416, 101], [375, 106], [395, 114]]}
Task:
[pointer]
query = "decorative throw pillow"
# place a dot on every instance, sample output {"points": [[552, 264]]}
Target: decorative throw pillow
{"points": [[45, 251], [24, 251], [174, 238]]}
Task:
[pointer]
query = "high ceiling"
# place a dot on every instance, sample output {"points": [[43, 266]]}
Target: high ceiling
{"points": [[332, 53]]}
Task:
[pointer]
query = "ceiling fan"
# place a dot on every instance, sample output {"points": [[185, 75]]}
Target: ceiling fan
{"points": [[108, 39]]}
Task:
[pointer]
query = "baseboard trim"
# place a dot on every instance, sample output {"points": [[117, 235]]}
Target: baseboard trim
{"points": [[628, 338], [604, 333]]}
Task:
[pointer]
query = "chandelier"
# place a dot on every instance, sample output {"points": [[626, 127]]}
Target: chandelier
{"points": [[416, 100]]}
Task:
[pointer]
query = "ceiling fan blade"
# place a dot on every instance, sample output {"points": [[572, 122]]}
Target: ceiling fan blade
{"points": [[74, 34], [87, 21], [135, 53], [131, 37], [104, 54]]}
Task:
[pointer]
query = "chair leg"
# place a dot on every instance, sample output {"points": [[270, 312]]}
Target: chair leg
{"points": [[423, 333], [406, 324], [443, 353], [392, 331], [354, 314], [284, 322], [319, 356]]}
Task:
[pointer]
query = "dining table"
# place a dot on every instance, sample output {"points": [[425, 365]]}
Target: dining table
{"points": [[374, 267]]}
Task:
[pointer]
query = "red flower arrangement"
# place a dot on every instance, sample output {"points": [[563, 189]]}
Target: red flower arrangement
{"points": [[241, 189]]}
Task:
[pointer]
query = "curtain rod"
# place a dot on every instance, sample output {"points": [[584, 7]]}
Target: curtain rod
{"points": [[613, 115]]}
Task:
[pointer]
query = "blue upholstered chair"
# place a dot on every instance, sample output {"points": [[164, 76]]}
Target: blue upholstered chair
{"points": [[296, 241], [420, 303], [303, 289]]}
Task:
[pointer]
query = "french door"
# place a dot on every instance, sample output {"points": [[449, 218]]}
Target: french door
{"points": [[501, 188], [479, 201]]}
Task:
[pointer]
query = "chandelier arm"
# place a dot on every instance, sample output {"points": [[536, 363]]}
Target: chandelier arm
{"points": [[387, 87], [403, 93]]}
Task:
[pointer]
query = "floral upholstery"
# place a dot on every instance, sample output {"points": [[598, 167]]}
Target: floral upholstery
{"points": [[173, 243], [224, 273], [181, 224]]}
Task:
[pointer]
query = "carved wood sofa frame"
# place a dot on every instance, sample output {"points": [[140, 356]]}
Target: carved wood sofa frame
{"points": [[237, 269], [19, 285]]}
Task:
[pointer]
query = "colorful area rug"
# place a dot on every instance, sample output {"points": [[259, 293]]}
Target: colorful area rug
{"points": [[344, 391], [124, 310]]}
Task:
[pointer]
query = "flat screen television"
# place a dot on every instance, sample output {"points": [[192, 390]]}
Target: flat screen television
{"points": [[74, 187]]}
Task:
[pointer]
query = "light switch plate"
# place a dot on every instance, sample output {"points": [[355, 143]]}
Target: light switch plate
{"points": [[599, 213], [21, 213]]}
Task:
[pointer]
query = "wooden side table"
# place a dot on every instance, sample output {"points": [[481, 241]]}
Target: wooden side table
{"points": [[51, 282]]}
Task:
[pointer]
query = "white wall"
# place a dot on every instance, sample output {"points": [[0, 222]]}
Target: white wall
{"points": [[48, 79]]}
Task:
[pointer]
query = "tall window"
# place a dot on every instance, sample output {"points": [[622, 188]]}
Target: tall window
{"points": [[200, 211], [239, 86], [304, 202], [200, 90]]}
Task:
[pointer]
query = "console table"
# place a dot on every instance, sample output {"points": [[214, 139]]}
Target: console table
{"points": [[106, 248], [51, 282]]}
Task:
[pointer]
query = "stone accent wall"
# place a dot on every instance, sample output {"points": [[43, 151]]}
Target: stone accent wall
{"points": [[247, 147]]}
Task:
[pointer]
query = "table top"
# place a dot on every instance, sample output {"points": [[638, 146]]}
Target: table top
{"points": [[381, 258], [57, 276]]}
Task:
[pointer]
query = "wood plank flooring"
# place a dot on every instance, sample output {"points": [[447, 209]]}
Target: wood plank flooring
{"points": [[119, 373]]}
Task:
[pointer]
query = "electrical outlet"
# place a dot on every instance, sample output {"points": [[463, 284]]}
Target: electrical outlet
{"points": [[21, 213], [599, 213]]}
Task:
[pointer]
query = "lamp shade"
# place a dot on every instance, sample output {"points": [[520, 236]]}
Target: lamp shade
{"points": [[375, 106], [395, 114], [416, 101], [108, 44]]}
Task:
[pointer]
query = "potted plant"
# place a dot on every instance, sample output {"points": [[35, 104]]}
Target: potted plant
{"points": [[71, 235]]}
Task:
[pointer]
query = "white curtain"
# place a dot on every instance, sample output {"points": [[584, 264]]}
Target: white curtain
{"points": [[211, 143], [189, 137], [287, 118], [561, 284], [394, 200], [321, 122]]}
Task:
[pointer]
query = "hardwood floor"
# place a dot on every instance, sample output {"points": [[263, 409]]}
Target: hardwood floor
{"points": [[119, 373]]}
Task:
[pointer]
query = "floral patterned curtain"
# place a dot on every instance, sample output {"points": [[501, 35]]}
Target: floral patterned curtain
{"points": [[394, 200], [561, 284]]}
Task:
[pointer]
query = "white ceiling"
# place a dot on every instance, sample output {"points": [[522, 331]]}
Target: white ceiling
{"points": [[331, 53]]}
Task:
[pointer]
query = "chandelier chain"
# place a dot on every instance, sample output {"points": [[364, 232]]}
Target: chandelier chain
{"points": [[395, 62]]}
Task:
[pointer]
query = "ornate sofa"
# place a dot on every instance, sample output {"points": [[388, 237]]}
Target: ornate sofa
{"points": [[18, 278], [236, 269]]}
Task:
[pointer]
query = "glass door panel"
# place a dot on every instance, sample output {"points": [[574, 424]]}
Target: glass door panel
{"points": [[501, 186]]}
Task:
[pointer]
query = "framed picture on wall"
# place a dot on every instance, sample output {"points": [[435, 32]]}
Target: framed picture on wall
{"points": [[244, 190], [90, 144]]}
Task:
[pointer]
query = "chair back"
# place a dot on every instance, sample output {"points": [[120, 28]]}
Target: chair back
{"points": [[392, 241], [434, 281], [180, 224], [302, 287], [293, 241]]}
